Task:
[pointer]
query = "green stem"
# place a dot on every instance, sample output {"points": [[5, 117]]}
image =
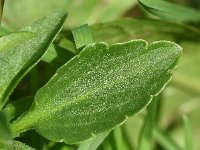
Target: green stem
{"points": [[1, 8], [23, 123]]}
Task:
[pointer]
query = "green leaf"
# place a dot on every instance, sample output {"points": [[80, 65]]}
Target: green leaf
{"points": [[17, 58], [5, 133], [17, 107], [5, 136], [126, 29], [147, 29], [57, 56], [15, 145], [188, 133], [118, 138], [1, 8], [165, 140], [170, 11], [98, 89], [82, 36], [3, 31], [146, 134], [94, 143]]}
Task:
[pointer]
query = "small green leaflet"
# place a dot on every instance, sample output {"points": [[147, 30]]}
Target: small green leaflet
{"points": [[19, 52], [98, 89], [82, 36]]}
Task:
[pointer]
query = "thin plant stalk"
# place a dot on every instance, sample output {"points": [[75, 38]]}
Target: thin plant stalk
{"points": [[1, 9]]}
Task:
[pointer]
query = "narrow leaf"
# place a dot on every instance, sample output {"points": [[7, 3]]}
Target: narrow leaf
{"points": [[165, 140], [118, 139], [171, 11], [147, 29], [16, 59], [5, 133], [188, 133], [1, 8], [146, 134], [94, 143], [98, 89]]}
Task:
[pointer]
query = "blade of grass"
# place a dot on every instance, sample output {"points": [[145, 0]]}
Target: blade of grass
{"points": [[118, 139], [165, 140], [1, 9], [94, 143], [171, 11], [188, 133], [146, 134], [5, 133]]}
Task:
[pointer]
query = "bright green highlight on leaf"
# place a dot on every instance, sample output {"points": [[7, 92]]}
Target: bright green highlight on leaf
{"points": [[18, 54], [98, 89], [82, 36]]}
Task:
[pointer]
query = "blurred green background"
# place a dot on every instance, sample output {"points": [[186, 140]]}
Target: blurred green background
{"points": [[117, 21]]}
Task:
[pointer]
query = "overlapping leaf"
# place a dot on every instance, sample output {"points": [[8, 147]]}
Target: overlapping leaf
{"points": [[170, 11], [98, 89], [18, 54]]}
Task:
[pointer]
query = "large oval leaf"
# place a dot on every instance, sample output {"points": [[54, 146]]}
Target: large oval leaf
{"points": [[98, 89], [17, 58]]}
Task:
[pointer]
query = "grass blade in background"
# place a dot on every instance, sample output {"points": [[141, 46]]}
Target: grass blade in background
{"points": [[1, 9], [94, 143], [5, 132], [113, 81], [147, 29], [165, 140], [146, 133], [18, 59], [170, 11], [188, 133]]}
